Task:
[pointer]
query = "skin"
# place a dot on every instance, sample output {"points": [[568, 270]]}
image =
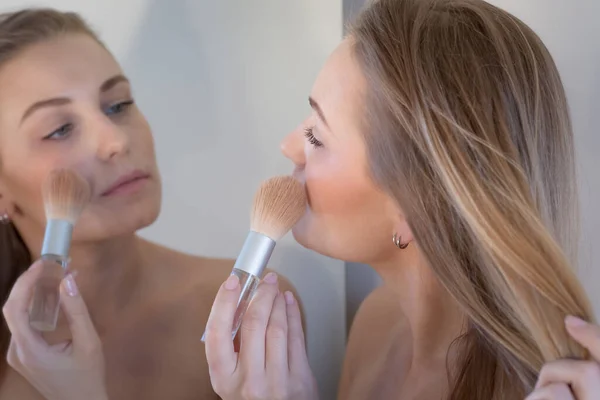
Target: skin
{"points": [[399, 344], [148, 304]]}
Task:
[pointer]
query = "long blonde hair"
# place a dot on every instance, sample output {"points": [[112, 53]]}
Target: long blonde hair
{"points": [[467, 126]]}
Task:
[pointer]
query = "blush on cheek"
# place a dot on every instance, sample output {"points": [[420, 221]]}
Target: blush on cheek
{"points": [[338, 194]]}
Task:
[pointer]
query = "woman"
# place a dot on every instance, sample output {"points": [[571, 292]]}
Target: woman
{"points": [[442, 125], [439, 152], [64, 102]]}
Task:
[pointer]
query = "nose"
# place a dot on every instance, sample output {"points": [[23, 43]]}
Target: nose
{"points": [[112, 140], [292, 147]]}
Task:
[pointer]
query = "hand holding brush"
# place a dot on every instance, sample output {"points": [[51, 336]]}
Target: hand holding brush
{"points": [[72, 370], [272, 361]]}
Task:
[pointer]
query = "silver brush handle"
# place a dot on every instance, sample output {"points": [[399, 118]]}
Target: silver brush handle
{"points": [[57, 239], [255, 254]]}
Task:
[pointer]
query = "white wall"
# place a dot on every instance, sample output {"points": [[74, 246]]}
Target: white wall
{"points": [[221, 83], [571, 32]]}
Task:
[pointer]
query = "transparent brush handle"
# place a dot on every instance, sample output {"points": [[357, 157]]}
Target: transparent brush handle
{"points": [[249, 284], [45, 303]]}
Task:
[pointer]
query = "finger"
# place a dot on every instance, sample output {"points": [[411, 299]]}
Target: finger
{"points": [[554, 391], [12, 357], [298, 359], [16, 311], [588, 335], [254, 325], [218, 341], [582, 376], [83, 332], [277, 332]]}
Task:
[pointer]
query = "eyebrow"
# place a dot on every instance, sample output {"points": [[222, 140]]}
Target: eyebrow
{"points": [[112, 82], [61, 101], [315, 106]]}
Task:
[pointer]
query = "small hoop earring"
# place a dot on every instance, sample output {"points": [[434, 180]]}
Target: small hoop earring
{"points": [[4, 218], [397, 242]]}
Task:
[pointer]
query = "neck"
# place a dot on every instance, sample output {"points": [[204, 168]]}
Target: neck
{"points": [[434, 318], [108, 272]]}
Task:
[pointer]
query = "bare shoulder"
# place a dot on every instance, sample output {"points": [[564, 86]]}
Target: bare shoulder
{"points": [[201, 275], [381, 306], [378, 314], [15, 386], [376, 324]]}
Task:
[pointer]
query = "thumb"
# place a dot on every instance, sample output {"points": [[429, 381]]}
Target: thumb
{"points": [[587, 334], [81, 325]]}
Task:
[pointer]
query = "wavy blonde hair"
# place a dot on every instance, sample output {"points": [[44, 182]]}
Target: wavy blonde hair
{"points": [[467, 126]]}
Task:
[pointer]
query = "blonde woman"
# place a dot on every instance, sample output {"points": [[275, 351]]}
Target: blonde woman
{"points": [[440, 152]]}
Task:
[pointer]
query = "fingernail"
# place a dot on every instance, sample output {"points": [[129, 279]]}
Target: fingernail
{"points": [[289, 298], [232, 282], [73, 273], [271, 278], [35, 265], [71, 286], [575, 322]]}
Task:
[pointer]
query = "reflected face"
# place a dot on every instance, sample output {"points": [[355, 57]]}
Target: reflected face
{"points": [[65, 103], [348, 217]]}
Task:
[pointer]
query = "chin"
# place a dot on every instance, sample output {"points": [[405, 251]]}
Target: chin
{"points": [[313, 242], [346, 248], [104, 224]]}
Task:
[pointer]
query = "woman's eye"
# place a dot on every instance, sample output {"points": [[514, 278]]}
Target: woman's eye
{"points": [[60, 133], [119, 107], [308, 132]]}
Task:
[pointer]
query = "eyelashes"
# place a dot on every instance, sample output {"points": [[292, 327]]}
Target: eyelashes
{"points": [[119, 107], [60, 133], [308, 132], [112, 111]]}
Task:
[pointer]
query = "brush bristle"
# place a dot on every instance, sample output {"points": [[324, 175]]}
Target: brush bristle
{"points": [[279, 203], [65, 195]]}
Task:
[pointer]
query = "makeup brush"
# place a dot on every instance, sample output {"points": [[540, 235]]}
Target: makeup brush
{"points": [[278, 204], [65, 194]]}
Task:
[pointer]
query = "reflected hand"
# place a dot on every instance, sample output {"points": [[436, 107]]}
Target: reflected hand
{"points": [[72, 370]]}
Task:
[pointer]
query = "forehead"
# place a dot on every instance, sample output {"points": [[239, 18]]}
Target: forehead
{"points": [[60, 66], [339, 88]]}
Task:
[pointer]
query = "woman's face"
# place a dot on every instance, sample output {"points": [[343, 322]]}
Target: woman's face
{"points": [[66, 103], [348, 217]]}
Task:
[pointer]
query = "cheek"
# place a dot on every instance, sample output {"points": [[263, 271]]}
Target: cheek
{"points": [[331, 191], [23, 187], [143, 141], [348, 216], [337, 185]]}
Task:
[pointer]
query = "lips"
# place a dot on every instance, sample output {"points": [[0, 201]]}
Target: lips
{"points": [[126, 181]]}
